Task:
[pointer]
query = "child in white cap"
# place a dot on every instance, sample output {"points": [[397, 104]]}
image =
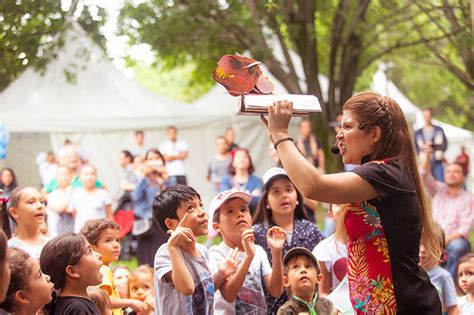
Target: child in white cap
{"points": [[243, 292]]}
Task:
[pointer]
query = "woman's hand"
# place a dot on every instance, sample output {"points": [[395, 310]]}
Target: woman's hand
{"points": [[279, 115]]}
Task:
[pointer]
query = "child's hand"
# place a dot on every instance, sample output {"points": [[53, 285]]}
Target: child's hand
{"points": [[137, 305], [248, 243], [227, 267], [150, 301], [182, 237], [276, 237]]}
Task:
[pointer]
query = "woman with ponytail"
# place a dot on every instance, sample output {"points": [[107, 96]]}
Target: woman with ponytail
{"points": [[386, 215]]}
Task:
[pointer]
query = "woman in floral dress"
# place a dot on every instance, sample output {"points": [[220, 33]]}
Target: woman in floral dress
{"points": [[386, 214]]}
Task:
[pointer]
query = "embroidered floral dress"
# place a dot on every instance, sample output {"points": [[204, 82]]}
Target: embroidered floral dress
{"points": [[384, 238]]}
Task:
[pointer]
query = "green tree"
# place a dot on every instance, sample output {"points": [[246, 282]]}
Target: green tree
{"points": [[454, 51], [30, 32], [338, 38]]}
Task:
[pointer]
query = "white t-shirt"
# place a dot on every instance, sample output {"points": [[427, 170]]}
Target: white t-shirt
{"points": [[89, 205], [466, 307], [33, 250], [444, 284], [168, 300], [176, 167], [334, 256], [56, 198], [251, 297]]}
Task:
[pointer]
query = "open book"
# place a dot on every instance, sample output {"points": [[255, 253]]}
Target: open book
{"points": [[256, 104], [340, 298]]}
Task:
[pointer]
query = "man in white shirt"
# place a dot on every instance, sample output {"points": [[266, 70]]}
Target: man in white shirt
{"points": [[175, 152]]}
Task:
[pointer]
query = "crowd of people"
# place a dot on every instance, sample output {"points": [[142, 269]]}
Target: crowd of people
{"points": [[256, 249]]}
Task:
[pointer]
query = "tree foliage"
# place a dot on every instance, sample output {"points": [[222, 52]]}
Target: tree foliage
{"points": [[30, 33], [454, 51], [339, 39]]}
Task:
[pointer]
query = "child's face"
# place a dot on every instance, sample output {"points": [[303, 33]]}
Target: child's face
{"points": [[282, 197], [302, 276], [241, 160], [40, 288], [196, 218], [121, 275], [88, 177], [88, 267], [63, 176], [234, 218], [141, 287], [4, 279], [466, 276], [108, 245], [7, 177], [423, 256], [30, 208], [121, 281]]}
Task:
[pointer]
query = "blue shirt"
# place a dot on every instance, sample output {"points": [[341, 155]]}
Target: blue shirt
{"points": [[253, 186], [143, 197]]}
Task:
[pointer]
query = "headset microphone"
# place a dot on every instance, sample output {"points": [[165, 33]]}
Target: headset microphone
{"points": [[334, 148]]}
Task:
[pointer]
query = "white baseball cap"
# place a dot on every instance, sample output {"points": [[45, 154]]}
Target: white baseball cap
{"points": [[272, 174], [222, 197]]}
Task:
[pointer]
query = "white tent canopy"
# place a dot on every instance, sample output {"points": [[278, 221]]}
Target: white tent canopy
{"points": [[98, 111], [98, 98]]}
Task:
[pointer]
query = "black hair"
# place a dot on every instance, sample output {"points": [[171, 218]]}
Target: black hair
{"points": [[21, 268], [251, 168], [167, 202], [264, 215], [156, 151], [5, 219], [3, 249], [128, 155], [92, 229], [63, 250], [13, 184], [13, 201]]}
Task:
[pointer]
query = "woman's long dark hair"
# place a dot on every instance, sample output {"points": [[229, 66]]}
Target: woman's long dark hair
{"points": [[373, 110], [264, 215]]}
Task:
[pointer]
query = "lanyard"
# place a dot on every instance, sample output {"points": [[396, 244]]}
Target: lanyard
{"points": [[311, 309]]}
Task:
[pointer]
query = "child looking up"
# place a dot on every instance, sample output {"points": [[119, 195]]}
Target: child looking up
{"points": [[29, 288], [244, 293], [440, 277], [141, 287], [466, 283], [26, 208], [301, 279], [73, 266], [183, 280], [104, 237], [282, 205]]}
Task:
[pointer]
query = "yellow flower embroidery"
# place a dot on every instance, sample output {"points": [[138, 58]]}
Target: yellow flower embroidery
{"points": [[382, 247]]}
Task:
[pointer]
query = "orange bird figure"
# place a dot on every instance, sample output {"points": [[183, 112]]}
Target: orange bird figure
{"points": [[241, 75]]}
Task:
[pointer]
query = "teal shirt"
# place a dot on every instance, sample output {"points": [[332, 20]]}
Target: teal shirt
{"points": [[75, 183]]}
